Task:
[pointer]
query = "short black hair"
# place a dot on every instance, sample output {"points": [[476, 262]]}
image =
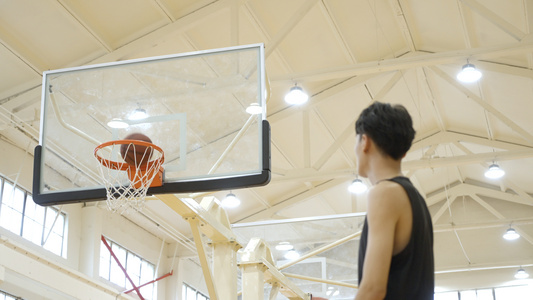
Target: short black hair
{"points": [[389, 126]]}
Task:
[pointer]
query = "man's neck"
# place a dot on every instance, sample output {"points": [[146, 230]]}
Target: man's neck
{"points": [[384, 168]]}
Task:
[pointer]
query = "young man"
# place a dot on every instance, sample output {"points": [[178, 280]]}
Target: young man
{"points": [[396, 245]]}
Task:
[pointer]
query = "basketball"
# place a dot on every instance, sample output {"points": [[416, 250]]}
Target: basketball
{"points": [[136, 154]]}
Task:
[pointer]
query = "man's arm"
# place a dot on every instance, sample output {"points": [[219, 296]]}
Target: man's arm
{"points": [[382, 216]]}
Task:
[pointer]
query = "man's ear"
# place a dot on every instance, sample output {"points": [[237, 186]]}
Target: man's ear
{"points": [[365, 143]]}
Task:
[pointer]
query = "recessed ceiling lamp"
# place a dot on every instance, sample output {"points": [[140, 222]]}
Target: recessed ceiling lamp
{"points": [[357, 187], [494, 172], [521, 274], [511, 234], [254, 109], [118, 123], [296, 96], [138, 114], [231, 201], [284, 246], [469, 73]]}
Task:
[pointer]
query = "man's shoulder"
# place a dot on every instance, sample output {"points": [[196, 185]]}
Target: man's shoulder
{"points": [[387, 196], [387, 191]]}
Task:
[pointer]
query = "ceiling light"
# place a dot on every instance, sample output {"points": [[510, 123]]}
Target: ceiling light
{"points": [[494, 172], [117, 123], [511, 234], [254, 109], [469, 73], [138, 114], [357, 187], [284, 246], [521, 274], [296, 96], [292, 254], [231, 201]]}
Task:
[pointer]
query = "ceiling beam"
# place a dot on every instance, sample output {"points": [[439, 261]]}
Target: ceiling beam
{"points": [[21, 52], [487, 206], [181, 25], [467, 189], [466, 159], [284, 203], [523, 233], [410, 61], [481, 267], [163, 9], [467, 25], [504, 182], [326, 11], [428, 90], [76, 19], [318, 98], [234, 22], [289, 26], [444, 208], [307, 174], [306, 139], [452, 137], [348, 158], [487, 107], [263, 34], [338, 141], [528, 11], [504, 69], [495, 19], [401, 20], [385, 89], [13, 93], [481, 225]]}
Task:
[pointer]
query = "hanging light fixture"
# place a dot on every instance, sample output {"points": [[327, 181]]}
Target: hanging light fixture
{"points": [[469, 73], [511, 234], [254, 109], [284, 246], [118, 123], [357, 187], [231, 201], [494, 172], [138, 114], [521, 274], [296, 96], [292, 254]]}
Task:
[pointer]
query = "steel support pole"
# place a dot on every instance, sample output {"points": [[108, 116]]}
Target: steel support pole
{"points": [[225, 269], [252, 281]]}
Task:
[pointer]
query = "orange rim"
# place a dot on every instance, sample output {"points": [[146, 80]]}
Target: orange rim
{"points": [[124, 166]]}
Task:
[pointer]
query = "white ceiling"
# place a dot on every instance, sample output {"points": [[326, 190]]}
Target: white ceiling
{"points": [[346, 54]]}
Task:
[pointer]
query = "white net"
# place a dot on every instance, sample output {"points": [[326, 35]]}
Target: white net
{"points": [[127, 171]]}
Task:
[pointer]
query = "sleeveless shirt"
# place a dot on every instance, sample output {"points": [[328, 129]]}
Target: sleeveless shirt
{"points": [[411, 275]]}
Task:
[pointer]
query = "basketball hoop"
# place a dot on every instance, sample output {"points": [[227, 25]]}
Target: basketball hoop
{"points": [[127, 181]]}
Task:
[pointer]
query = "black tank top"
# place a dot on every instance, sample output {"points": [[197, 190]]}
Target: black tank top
{"points": [[412, 271]]}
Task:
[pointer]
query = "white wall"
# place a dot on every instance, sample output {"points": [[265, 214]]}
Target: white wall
{"points": [[29, 271], [16, 164], [34, 273], [190, 273]]}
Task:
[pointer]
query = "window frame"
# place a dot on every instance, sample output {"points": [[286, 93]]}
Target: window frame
{"points": [[112, 266], [197, 293], [24, 219]]}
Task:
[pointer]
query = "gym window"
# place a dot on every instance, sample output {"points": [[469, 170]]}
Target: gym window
{"points": [[139, 270], [189, 293], [44, 226], [6, 296]]}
